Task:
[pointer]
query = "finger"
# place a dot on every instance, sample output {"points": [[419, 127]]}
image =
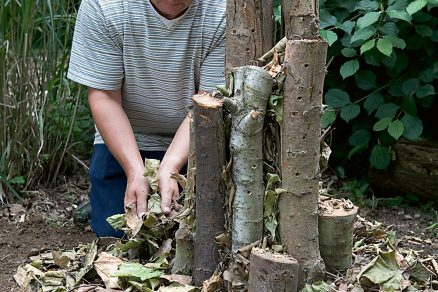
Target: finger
{"points": [[175, 198], [142, 197], [166, 200]]}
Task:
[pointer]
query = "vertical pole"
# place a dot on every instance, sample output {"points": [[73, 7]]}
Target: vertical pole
{"points": [[305, 66], [210, 188]]}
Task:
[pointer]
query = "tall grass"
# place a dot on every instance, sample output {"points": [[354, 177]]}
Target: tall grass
{"points": [[44, 120]]}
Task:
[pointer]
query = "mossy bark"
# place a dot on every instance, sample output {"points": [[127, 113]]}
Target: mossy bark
{"points": [[252, 88], [210, 188]]}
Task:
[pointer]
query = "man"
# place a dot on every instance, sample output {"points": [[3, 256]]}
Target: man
{"points": [[142, 61]]}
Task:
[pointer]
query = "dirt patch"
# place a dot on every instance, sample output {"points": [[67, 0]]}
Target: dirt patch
{"points": [[19, 240]]}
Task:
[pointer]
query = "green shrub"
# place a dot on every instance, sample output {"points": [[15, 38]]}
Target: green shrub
{"points": [[382, 72], [44, 121]]}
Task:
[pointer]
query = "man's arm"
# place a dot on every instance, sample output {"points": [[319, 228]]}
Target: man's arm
{"points": [[175, 158], [116, 131]]}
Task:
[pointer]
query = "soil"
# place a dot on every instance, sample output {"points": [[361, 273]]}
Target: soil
{"points": [[44, 222]]}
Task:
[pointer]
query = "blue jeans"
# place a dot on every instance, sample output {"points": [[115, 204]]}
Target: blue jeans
{"points": [[108, 185]]}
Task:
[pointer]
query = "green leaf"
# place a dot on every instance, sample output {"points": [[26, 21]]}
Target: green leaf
{"points": [[357, 149], [326, 19], [367, 20], [368, 45], [329, 36], [387, 110], [409, 104], [373, 102], [367, 5], [399, 14], [397, 42], [359, 137], [363, 34], [410, 86], [424, 30], [319, 286], [380, 157], [413, 127], [347, 26], [336, 98], [349, 68], [328, 117], [395, 129], [382, 124], [389, 29], [349, 112], [398, 4], [425, 90], [373, 57], [348, 52], [365, 79], [384, 45], [415, 6], [136, 270], [116, 221]]}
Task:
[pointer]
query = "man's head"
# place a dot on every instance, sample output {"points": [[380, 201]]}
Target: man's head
{"points": [[171, 8]]}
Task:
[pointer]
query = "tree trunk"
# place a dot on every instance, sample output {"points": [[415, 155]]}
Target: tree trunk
{"points": [[301, 19], [415, 171], [249, 31], [270, 271], [210, 189], [300, 131], [252, 89], [336, 226]]}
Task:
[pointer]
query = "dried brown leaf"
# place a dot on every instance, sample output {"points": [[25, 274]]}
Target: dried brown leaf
{"points": [[106, 265]]}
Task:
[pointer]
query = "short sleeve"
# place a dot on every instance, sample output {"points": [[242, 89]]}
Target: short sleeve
{"points": [[212, 71], [96, 59]]}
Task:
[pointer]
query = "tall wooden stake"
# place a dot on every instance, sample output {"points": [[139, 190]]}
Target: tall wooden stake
{"points": [[305, 64], [210, 189], [249, 31]]}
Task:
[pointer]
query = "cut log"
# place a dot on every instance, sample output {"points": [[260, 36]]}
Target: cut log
{"points": [[269, 271], [336, 225], [210, 189], [415, 171], [252, 89], [300, 133]]}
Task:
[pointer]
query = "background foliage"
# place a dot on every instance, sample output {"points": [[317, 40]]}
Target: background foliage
{"points": [[382, 72], [45, 124]]}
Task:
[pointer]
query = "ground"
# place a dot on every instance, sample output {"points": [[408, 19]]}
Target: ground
{"points": [[43, 222]]}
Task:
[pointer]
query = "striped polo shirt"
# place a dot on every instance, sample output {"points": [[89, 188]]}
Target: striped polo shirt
{"points": [[158, 63]]}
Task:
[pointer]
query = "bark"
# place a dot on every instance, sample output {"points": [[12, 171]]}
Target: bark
{"points": [[301, 19], [415, 171], [252, 89], [210, 189], [249, 31], [270, 271], [298, 218], [336, 226]]}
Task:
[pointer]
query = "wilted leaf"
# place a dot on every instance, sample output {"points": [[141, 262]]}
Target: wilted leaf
{"points": [[151, 167], [164, 249], [106, 265], [116, 221], [136, 270], [213, 284], [176, 287], [154, 204], [130, 244], [181, 279], [132, 220], [74, 278], [23, 279], [60, 259], [385, 272], [319, 286]]}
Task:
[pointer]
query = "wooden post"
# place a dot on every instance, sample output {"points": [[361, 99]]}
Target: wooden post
{"points": [[269, 271], [305, 66], [249, 31], [210, 190], [336, 226]]}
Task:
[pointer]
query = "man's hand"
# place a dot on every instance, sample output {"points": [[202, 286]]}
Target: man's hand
{"points": [[137, 190], [168, 188]]}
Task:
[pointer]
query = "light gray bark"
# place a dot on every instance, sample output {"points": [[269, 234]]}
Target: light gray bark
{"points": [[252, 89]]}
